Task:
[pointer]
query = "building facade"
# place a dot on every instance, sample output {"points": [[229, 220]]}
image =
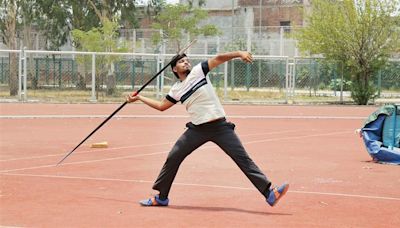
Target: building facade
{"points": [[260, 25]]}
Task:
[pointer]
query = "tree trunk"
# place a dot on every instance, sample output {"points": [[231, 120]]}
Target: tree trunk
{"points": [[81, 83], [362, 89], [11, 42], [13, 76], [111, 80]]}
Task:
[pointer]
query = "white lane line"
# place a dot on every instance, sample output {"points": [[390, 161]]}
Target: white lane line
{"points": [[83, 162], [178, 116], [5, 226], [136, 146], [87, 151], [347, 195], [164, 152], [86, 116], [201, 185]]}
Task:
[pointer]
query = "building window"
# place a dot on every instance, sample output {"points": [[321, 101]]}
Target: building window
{"points": [[286, 26]]}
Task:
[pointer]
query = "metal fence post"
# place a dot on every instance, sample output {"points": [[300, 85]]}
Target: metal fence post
{"points": [[290, 80], [24, 73], [287, 80], [158, 81], [162, 77], [19, 75], [162, 63], [93, 98], [294, 78], [225, 81]]}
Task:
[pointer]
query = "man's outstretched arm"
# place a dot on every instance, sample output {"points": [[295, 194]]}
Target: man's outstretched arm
{"points": [[221, 58]]}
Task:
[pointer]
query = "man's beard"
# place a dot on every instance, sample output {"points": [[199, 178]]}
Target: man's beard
{"points": [[187, 72]]}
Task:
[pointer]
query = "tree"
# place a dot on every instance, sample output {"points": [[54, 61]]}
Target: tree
{"points": [[110, 14], [154, 8], [361, 34], [83, 15], [18, 20], [103, 39], [177, 20], [122, 10], [8, 26], [53, 21]]}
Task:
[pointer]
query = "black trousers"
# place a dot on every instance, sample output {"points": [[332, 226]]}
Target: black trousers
{"points": [[221, 133]]}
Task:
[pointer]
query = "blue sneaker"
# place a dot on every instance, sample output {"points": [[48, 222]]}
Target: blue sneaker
{"points": [[154, 201], [276, 193]]}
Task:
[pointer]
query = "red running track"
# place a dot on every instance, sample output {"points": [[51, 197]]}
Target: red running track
{"points": [[314, 148]]}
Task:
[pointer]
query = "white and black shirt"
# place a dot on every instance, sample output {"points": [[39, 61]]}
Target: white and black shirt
{"points": [[198, 95]]}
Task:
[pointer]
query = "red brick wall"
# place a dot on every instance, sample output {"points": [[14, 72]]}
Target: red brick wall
{"points": [[275, 11]]}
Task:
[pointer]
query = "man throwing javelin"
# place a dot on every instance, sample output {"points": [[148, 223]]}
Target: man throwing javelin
{"points": [[208, 123]]}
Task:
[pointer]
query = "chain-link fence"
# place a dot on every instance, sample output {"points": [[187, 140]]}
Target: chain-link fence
{"points": [[106, 77], [264, 40], [322, 80]]}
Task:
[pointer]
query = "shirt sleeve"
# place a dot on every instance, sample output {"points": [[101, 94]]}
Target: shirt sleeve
{"points": [[204, 66], [168, 97]]}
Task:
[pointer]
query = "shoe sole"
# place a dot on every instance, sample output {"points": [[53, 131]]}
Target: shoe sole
{"points": [[158, 205], [154, 203], [281, 194]]}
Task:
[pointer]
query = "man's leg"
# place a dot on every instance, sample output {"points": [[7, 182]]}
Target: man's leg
{"points": [[228, 141], [186, 144]]}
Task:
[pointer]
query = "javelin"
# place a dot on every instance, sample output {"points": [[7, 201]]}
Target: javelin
{"points": [[134, 94]]}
